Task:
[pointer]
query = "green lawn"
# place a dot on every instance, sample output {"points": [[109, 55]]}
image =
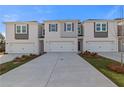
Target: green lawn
{"points": [[5, 67], [101, 63]]}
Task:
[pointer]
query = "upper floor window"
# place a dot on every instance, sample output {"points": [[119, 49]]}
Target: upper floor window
{"points": [[21, 29], [68, 27], [52, 27], [80, 30], [101, 27]]}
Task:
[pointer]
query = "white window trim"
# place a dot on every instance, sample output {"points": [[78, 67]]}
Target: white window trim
{"points": [[100, 27], [67, 27], [52, 27], [21, 29]]}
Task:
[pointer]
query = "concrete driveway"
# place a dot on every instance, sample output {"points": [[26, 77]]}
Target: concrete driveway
{"points": [[112, 55], [8, 57], [55, 70]]}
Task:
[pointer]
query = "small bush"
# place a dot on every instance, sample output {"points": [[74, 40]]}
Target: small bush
{"points": [[33, 55], [17, 59], [89, 54], [116, 67], [25, 56]]}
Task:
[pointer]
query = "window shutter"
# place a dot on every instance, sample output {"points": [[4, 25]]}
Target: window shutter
{"points": [[49, 27], [27, 28], [56, 27], [107, 26], [72, 26], [94, 26], [64, 26], [15, 28]]}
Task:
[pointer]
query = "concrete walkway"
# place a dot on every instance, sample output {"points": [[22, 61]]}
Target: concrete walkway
{"points": [[55, 70]]}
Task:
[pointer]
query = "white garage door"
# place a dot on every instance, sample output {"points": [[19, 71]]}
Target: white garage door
{"points": [[61, 46], [100, 46], [22, 48]]}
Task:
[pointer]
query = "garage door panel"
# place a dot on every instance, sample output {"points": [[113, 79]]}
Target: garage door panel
{"points": [[99, 46], [61, 46], [22, 48]]}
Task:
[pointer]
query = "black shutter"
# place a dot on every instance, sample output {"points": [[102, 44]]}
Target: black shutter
{"points": [[56, 27], [27, 28], [107, 26], [15, 28], [49, 27], [64, 26], [72, 26], [94, 26]]}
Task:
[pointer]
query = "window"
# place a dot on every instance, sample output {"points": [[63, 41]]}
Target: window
{"points": [[98, 27], [18, 29], [69, 27], [101, 27], [52, 27], [79, 30], [21, 30]]}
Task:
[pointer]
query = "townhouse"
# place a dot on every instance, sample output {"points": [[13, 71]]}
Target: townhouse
{"points": [[63, 36]]}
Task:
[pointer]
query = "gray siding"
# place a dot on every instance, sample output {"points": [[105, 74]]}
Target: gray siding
{"points": [[101, 34]]}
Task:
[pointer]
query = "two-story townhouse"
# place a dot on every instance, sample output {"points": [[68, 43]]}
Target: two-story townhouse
{"points": [[100, 35], [61, 36], [22, 37]]}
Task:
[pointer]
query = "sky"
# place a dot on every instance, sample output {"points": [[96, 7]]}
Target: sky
{"points": [[40, 13]]}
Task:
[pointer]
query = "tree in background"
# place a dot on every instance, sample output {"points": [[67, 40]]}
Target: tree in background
{"points": [[2, 43]]}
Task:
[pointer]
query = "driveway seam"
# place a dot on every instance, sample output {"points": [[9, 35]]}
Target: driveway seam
{"points": [[51, 72]]}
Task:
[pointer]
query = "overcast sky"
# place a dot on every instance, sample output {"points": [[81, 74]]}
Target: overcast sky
{"points": [[53, 12]]}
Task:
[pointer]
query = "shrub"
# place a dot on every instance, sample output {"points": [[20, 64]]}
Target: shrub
{"points": [[25, 56], [33, 55], [88, 53], [116, 67], [17, 59], [94, 54]]}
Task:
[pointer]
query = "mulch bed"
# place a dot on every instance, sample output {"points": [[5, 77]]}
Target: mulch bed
{"points": [[116, 67]]}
